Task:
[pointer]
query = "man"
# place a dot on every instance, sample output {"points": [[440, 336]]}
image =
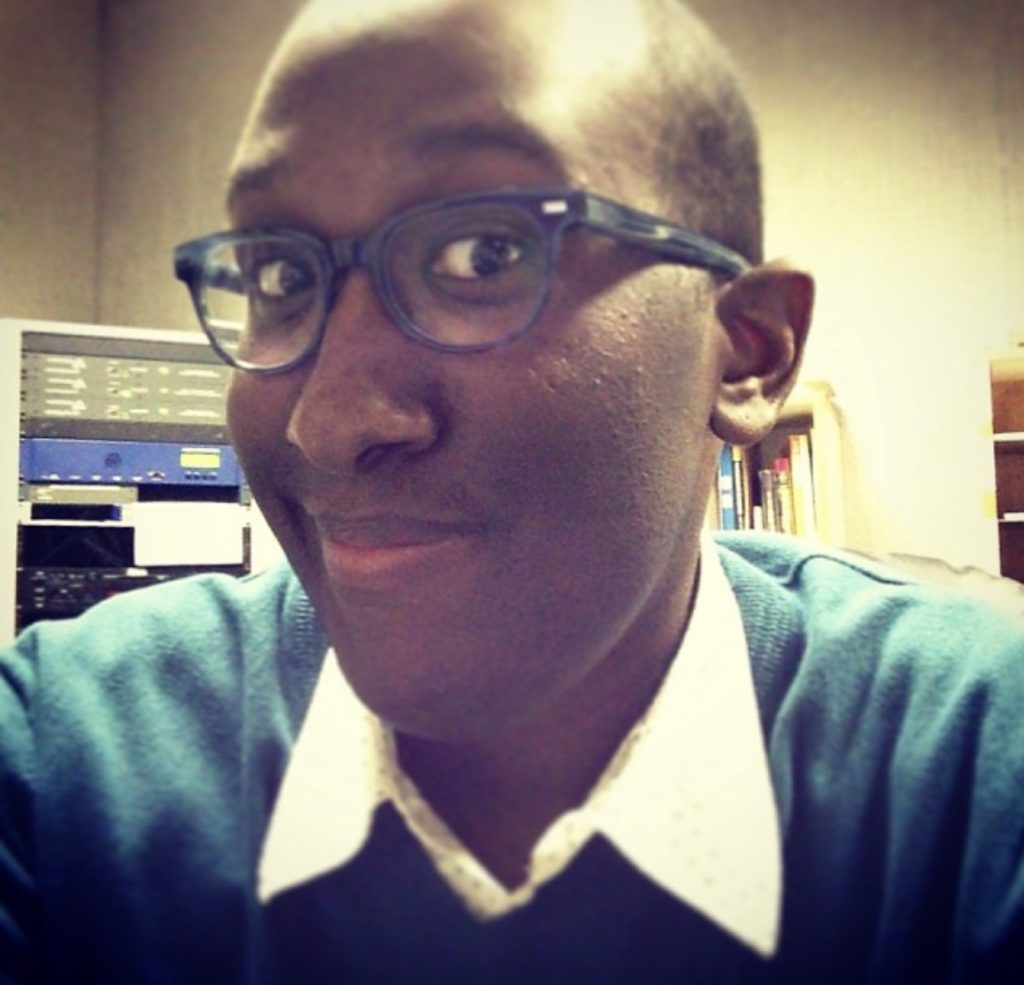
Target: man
{"points": [[494, 292]]}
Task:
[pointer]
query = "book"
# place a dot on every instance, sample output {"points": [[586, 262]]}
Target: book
{"points": [[711, 521], [726, 491], [802, 475], [766, 480], [785, 505], [741, 489]]}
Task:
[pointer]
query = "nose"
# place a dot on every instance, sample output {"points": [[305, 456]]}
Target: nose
{"points": [[368, 400]]}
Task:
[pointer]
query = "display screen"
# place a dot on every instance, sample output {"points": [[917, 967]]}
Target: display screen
{"points": [[200, 458]]}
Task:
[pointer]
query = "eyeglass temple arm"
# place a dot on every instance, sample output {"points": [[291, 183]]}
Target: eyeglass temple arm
{"points": [[632, 226], [220, 275]]}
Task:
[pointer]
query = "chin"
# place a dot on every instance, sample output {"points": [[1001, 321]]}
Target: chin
{"points": [[430, 692]]}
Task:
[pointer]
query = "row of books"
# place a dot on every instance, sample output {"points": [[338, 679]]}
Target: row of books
{"points": [[776, 492]]}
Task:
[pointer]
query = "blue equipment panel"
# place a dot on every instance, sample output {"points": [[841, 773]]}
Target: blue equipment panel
{"points": [[128, 462]]}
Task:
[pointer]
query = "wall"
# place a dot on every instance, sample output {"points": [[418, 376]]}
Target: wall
{"points": [[894, 152], [894, 156], [177, 78], [48, 77]]}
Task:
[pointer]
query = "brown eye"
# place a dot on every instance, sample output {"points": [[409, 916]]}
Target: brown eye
{"points": [[476, 257], [283, 278]]}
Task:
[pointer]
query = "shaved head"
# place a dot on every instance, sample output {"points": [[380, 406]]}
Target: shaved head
{"points": [[567, 471], [675, 135], [709, 160]]}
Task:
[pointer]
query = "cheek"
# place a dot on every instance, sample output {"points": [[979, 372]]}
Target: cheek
{"points": [[614, 420], [258, 410]]}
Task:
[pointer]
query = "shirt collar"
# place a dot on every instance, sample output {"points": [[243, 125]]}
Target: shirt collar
{"points": [[691, 805]]}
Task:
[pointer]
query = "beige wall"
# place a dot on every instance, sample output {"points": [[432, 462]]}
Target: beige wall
{"points": [[894, 156], [48, 73], [894, 152], [177, 77]]}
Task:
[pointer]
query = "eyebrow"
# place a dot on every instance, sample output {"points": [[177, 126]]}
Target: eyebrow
{"points": [[431, 141], [252, 178], [506, 135]]}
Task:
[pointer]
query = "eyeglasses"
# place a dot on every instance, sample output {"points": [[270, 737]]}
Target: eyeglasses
{"points": [[463, 274]]}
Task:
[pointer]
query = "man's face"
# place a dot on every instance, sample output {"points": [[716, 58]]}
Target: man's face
{"points": [[480, 533]]}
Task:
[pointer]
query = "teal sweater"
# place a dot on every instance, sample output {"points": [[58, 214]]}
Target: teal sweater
{"points": [[143, 743]]}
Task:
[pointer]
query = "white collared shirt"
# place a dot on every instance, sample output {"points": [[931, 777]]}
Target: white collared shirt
{"points": [[687, 798]]}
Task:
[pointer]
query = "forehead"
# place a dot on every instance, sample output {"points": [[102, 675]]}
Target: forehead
{"points": [[525, 93]]}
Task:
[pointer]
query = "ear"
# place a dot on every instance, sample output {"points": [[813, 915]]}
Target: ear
{"points": [[765, 313]]}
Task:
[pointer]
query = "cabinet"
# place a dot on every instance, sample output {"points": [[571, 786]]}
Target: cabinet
{"points": [[792, 480], [1007, 382]]}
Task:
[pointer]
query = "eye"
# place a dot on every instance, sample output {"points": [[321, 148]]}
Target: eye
{"points": [[283, 278], [474, 257]]}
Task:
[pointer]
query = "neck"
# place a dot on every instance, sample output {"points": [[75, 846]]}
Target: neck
{"points": [[501, 794]]}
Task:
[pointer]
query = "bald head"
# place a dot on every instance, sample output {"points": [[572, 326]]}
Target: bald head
{"points": [[494, 533], [708, 159], [640, 103]]}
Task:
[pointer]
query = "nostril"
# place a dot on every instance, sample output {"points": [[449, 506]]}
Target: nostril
{"points": [[381, 453], [371, 457]]}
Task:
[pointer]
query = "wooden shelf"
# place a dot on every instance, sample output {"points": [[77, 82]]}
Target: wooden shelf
{"points": [[1007, 388]]}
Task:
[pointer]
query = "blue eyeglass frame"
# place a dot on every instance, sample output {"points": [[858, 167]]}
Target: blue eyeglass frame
{"points": [[553, 209]]}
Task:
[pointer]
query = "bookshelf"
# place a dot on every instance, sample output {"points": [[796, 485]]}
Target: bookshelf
{"points": [[792, 480], [1007, 382]]}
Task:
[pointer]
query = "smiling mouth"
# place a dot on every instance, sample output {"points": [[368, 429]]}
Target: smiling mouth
{"points": [[385, 551]]}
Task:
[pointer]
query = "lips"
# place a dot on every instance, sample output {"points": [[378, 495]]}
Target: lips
{"points": [[387, 551]]}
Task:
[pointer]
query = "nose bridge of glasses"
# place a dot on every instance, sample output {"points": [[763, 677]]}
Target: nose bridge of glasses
{"points": [[343, 255], [346, 254]]}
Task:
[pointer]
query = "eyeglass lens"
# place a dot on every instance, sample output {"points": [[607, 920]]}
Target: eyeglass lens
{"points": [[462, 276]]}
